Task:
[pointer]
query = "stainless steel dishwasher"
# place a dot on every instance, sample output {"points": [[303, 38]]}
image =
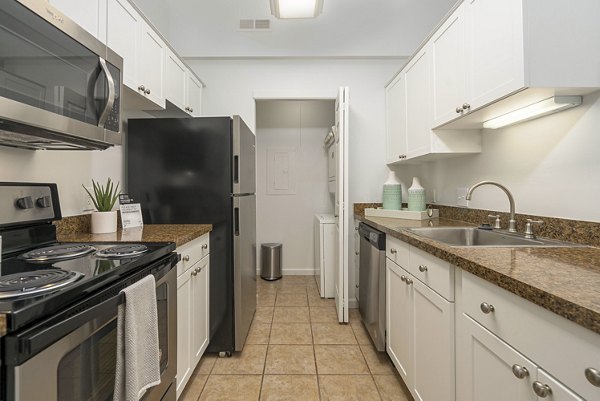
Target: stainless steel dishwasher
{"points": [[371, 288]]}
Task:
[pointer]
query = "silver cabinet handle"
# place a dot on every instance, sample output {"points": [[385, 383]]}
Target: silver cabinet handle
{"points": [[402, 278], [593, 376], [541, 390], [191, 109], [408, 281], [187, 108], [393, 251], [356, 253], [186, 258], [147, 91], [466, 106], [519, 371], [204, 246], [111, 93], [141, 88], [422, 268], [459, 110], [487, 308], [195, 272]]}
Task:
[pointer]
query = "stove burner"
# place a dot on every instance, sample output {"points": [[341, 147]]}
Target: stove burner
{"points": [[122, 251], [35, 282], [57, 252]]}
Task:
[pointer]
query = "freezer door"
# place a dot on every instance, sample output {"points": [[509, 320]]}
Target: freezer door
{"points": [[244, 158], [244, 265]]}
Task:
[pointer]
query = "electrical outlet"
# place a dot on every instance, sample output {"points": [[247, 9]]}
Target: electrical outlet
{"points": [[461, 195], [87, 204]]}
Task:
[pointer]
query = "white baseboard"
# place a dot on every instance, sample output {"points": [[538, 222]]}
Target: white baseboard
{"points": [[294, 272]]}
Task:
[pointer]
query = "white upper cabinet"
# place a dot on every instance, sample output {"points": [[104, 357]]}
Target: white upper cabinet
{"points": [[175, 80], [194, 95], [418, 104], [151, 65], [123, 36], [509, 56], [94, 22], [395, 119], [449, 68]]}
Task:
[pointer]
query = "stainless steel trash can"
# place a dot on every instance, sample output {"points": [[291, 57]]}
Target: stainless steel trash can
{"points": [[270, 261]]}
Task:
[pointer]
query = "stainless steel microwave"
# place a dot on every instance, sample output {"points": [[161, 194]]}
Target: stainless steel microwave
{"points": [[60, 87]]}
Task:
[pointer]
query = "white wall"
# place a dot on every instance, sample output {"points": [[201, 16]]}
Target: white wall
{"points": [[301, 126], [551, 165], [232, 84]]}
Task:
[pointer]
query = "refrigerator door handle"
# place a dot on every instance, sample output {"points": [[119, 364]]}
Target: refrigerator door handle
{"points": [[236, 169], [236, 221]]}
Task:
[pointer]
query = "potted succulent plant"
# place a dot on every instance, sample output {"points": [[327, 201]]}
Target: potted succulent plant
{"points": [[104, 220]]}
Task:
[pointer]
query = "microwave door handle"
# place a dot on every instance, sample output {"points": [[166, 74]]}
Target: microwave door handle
{"points": [[111, 94]]}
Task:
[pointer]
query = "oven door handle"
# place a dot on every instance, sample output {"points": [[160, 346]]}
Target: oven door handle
{"points": [[99, 316]]}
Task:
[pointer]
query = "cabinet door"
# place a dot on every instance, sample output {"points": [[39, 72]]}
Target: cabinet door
{"points": [[418, 104], [175, 80], [194, 95], [559, 391], [448, 52], [399, 315], [152, 64], [433, 345], [184, 315], [199, 318], [485, 367], [92, 17], [395, 118], [122, 36], [494, 52]]}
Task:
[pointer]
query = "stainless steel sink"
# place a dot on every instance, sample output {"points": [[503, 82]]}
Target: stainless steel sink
{"points": [[476, 237]]}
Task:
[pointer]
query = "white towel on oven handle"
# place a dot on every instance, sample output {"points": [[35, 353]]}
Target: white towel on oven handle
{"points": [[138, 358]]}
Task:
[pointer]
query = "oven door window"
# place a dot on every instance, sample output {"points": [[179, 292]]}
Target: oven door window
{"points": [[87, 372]]}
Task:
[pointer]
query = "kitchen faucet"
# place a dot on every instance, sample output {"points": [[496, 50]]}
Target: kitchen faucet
{"points": [[512, 224]]}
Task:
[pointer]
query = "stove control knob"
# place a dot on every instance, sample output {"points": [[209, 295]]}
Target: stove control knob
{"points": [[44, 202], [25, 202]]}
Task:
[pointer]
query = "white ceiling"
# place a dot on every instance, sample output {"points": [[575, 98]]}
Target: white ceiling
{"points": [[347, 28]]}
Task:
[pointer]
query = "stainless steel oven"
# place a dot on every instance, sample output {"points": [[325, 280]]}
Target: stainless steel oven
{"points": [[72, 356], [60, 87]]}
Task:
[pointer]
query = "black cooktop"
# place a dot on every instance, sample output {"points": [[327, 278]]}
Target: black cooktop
{"points": [[87, 273]]}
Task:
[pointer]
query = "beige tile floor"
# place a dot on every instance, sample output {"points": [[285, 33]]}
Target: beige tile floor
{"points": [[297, 351]]}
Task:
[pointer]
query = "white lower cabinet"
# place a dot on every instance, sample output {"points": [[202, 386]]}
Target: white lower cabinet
{"points": [[192, 309], [420, 335]]}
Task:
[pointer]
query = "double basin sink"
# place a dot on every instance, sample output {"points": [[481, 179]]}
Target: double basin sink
{"points": [[477, 237]]}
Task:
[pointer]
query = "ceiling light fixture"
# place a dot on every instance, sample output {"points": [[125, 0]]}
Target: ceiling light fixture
{"points": [[533, 111], [296, 8]]}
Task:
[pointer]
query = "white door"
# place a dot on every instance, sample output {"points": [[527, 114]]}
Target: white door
{"points": [[194, 95], [92, 17], [418, 105], [341, 204], [395, 119], [485, 367], [123, 36], [151, 64], [199, 316], [184, 314]]}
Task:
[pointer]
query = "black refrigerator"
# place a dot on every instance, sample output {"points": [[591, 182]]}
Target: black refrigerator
{"points": [[202, 171]]}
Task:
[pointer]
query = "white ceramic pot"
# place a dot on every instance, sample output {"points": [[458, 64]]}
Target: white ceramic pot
{"points": [[104, 222]]}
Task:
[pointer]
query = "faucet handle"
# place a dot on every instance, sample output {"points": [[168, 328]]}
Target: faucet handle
{"points": [[497, 221], [529, 228]]}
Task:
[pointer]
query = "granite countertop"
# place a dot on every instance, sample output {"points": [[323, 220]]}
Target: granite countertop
{"points": [[565, 281], [177, 233]]}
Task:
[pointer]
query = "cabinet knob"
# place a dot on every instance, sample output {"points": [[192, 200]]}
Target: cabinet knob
{"points": [[519, 371], [422, 268], [186, 258], [402, 278], [487, 308], [187, 108], [593, 376], [141, 88], [466, 106], [393, 251], [356, 253], [195, 272], [204, 246], [459, 110], [408, 281], [541, 390], [191, 109], [147, 91]]}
